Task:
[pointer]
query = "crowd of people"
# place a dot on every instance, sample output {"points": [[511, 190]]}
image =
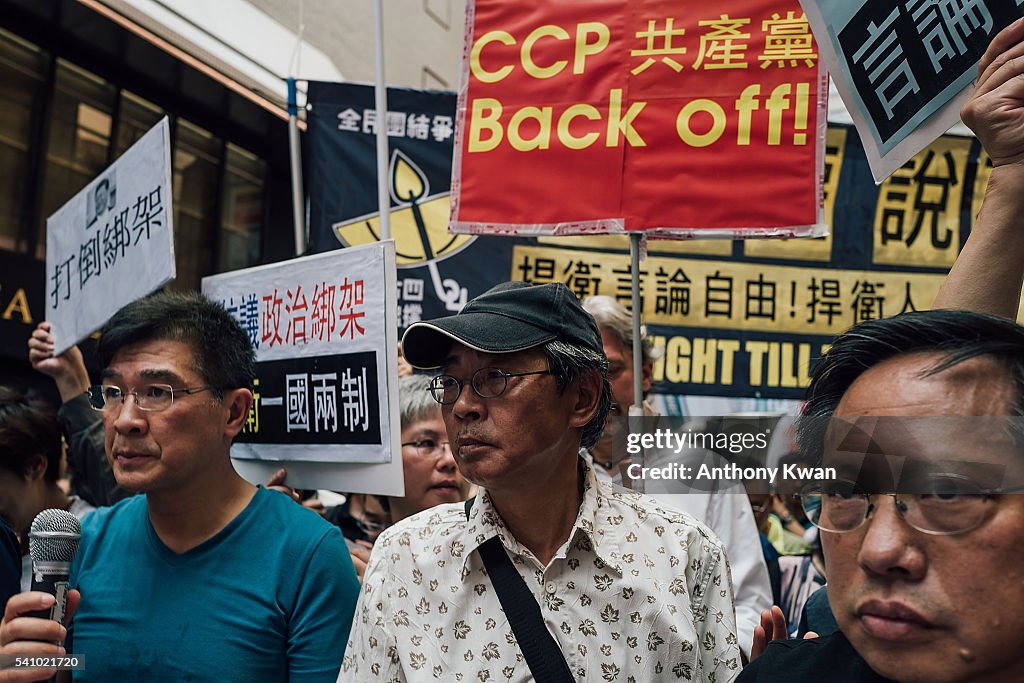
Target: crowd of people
{"points": [[519, 551]]}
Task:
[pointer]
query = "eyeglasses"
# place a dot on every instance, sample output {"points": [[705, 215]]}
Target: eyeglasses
{"points": [[486, 382], [942, 506], [151, 397], [429, 448]]}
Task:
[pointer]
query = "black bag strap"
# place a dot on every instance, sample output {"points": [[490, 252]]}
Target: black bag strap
{"points": [[543, 656]]}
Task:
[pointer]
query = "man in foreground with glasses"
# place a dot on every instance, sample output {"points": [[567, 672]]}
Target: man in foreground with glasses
{"points": [[963, 577], [617, 585], [921, 526], [205, 577]]}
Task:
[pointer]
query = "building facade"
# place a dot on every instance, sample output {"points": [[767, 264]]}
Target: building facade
{"points": [[81, 80]]}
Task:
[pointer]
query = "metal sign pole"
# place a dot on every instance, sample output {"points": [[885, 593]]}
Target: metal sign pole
{"points": [[383, 196], [295, 157], [636, 411]]}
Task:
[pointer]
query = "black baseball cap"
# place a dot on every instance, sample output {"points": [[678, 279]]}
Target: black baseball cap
{"points": [[513, 316]]}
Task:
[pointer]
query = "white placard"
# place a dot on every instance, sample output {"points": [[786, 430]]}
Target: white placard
{"points": [[904, 69], [325, 335], [113, 242]]}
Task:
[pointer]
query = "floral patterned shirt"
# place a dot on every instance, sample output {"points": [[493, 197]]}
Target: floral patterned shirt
{"points": [[639, 592]]}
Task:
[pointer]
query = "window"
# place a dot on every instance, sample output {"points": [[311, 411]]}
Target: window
{"points": [[440, 11], [430, 79], [79, 138], [137, 117], [218, 187], [195, 170], [242, 210], [22, 72]]}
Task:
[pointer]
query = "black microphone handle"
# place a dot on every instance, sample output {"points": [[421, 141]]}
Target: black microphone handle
{"points": [[52, 578]]}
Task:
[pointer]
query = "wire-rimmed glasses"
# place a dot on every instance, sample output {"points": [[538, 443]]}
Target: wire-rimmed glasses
{"points": [[486, 382], [150, 397], [943, 505], [429, 448]]}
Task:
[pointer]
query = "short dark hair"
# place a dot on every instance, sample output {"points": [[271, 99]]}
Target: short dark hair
{"points": [[221, 351], [569, 361], [958, 335], [28, 427]]}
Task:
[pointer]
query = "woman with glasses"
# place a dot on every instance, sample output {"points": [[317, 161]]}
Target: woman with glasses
{"points": [[431, 477]]}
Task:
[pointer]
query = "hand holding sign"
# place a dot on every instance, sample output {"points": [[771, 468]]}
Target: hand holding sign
{"points": [[67, 369], [994, 112], [988, 273]]}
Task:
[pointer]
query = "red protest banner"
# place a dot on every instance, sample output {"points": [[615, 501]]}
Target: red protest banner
{"points": [[682, 119]]}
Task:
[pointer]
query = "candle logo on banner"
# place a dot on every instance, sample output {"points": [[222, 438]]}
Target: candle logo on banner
{"points": [[420, 125], [419, 220]]}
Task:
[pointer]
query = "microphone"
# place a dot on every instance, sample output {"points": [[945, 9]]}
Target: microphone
{"points": [[52, 544]]}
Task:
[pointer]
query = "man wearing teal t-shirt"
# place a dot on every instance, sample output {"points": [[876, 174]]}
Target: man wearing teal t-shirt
{"points": [[205, 577]]}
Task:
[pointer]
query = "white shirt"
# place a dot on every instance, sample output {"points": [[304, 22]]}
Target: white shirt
{"points": [[727, 511], [638, 592]]}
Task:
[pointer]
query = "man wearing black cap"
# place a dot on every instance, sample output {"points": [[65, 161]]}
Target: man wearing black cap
{"points": [[623, 586]]}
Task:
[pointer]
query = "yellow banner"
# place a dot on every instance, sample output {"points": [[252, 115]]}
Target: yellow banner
{"points": [[917, 217], [734, 296]]}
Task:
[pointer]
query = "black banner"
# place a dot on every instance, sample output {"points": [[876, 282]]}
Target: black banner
{"points": [[315, 400], [343, 167]]}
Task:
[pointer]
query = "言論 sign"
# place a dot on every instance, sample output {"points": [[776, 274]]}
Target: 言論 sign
{"points": [[680, 119]]}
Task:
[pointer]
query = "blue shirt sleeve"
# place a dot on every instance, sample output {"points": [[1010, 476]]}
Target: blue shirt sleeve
{"points": [[322, 616]]}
